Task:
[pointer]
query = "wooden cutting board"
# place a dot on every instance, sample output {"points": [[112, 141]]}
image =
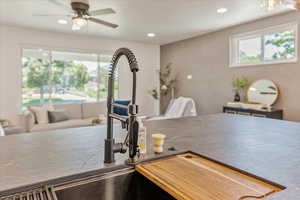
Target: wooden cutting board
{"points": [[191, 177]]}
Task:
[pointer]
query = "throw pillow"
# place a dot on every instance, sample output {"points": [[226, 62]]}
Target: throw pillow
{"points": [[41, 113], [57, 116]]}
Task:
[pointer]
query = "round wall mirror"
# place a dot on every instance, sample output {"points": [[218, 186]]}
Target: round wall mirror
{"points": [[263, 91]]}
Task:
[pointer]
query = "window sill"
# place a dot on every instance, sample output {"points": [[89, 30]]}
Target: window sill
{"points": [[265, 63]]}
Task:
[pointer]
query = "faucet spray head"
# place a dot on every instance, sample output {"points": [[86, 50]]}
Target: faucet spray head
{"points": [[130, 56]]}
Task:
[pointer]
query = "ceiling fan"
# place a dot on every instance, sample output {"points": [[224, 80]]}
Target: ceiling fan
{"points": [[81, 14]]}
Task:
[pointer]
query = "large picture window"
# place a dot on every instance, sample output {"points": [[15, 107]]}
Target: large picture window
{"points": [[273, 45], [64, 77]]}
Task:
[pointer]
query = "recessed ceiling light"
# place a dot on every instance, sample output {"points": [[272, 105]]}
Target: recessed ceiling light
{"points": [[151, 34], [222, 10], [62, 21]]}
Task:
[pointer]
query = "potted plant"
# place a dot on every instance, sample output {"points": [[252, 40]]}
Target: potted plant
{"points": [[240, 84]]}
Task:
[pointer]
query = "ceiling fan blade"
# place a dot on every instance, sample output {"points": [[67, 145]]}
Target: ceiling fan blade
{"points": [[99, 21], [102, 12], [60, 4]]}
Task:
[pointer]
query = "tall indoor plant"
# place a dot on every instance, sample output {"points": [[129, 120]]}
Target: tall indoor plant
{"points": [[167, 83]]}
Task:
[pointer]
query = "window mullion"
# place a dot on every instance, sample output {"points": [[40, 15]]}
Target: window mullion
{"points": [[50, 76], [263, 47], [238, 52], [98, 77]]}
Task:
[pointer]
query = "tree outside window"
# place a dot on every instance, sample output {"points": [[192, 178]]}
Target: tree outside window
{"points": [[272, 45]]}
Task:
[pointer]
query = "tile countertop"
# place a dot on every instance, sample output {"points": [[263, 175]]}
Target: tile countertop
{"points": [[266, 148]]}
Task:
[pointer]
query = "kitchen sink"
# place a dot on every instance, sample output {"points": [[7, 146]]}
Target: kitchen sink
{"points": [[124, 185]]}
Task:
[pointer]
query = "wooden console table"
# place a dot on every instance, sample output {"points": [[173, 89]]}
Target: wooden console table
{"points": [[274, 113]]}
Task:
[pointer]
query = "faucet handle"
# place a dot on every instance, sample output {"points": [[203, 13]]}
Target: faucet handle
{"points": [[133, 109]]}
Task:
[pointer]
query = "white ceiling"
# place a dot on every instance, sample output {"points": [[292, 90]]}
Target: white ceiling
{"points": [[171, 20]]}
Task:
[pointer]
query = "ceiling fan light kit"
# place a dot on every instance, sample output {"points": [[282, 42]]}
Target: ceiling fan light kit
{"points": [[79, 21]]}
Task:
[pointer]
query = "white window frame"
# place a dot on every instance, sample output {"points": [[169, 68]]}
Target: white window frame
{"points": [[234, 48]]}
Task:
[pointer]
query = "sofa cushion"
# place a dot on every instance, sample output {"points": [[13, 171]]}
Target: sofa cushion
{"points": [[40, 113], [57, 116], [73, 110], [74, 123], [90, 110]]}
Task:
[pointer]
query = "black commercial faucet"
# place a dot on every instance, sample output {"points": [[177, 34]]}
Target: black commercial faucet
{"points": [[130, 121]]}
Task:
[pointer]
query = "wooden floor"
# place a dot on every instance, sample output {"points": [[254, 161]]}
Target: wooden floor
{"points": [[190, 177]]}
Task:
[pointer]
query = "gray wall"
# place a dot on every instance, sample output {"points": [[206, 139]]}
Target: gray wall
{"points": [[207, 59]]}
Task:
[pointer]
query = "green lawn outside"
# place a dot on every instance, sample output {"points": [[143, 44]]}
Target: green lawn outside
{"points": [[34, 100], [28, 101]]}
